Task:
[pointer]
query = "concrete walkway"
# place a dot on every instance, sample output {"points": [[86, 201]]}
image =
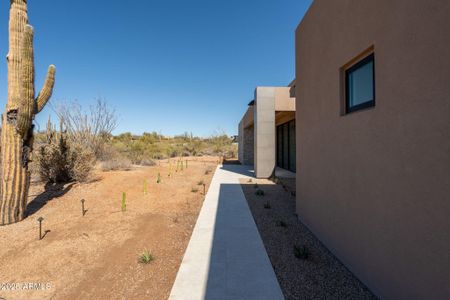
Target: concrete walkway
{"points": [[225, 258]]}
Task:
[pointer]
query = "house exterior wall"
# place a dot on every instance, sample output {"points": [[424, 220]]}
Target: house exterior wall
{"points": [[264, 131], [374, 185], [257, 137], [241, 142], [249, 144], [246, 138], [283, 100]]}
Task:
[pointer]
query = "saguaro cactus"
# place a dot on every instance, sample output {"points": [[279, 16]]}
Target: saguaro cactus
{"points": [[21, 108]]}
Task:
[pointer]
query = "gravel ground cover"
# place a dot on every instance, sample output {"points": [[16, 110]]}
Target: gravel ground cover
{"points": [[305, 268]]}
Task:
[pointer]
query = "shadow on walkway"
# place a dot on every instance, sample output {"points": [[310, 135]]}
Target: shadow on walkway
{"points": [[239, 169], [239, 267]]}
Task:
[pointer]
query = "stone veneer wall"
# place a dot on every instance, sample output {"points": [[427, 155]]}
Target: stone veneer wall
{"points": [[248, 142]]}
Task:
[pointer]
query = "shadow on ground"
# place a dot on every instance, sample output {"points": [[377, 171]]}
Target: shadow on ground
{"points": [[239, 267], [52, 191], [305, 268], [249, 244], [239, 169], [231, 161]]}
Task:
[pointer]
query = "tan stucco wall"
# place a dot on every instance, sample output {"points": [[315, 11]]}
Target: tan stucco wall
{"points": [[374, 185], [283, 100]]}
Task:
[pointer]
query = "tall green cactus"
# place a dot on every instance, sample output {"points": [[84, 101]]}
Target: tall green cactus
{"points": [[21, 108]]}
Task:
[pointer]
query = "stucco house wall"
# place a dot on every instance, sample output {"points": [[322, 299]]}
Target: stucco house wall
{"points": [[374, 185], [258, 125]]}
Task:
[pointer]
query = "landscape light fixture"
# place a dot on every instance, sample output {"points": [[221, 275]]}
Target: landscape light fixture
{"points": [[82, 207], [40, 219]]}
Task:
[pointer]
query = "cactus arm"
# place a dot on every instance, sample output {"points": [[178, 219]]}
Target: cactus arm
{"points": [[47, 89], [26, 102]]}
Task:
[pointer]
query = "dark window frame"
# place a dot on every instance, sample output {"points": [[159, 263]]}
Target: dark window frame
{"points": [[285, 161], [371, 103]]}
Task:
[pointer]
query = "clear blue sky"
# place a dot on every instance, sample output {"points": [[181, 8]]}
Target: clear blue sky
{"points": [[169, 66]]}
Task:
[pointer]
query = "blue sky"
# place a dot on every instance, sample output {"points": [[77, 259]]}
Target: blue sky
{"points": [[169, 66]]}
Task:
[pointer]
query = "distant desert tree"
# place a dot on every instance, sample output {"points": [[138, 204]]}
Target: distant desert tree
{"points": [[91, 128]]}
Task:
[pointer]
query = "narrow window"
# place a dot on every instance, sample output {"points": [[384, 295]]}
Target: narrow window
{"points": [[360, 85]]}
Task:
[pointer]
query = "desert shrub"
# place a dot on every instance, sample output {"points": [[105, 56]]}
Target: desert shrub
{"points": [[157, 146], [90, 129], [54, 163], [112, 160], [118, 164], [147, 162], [281, 223], [82, 161], [61, 160], [259, 192]]}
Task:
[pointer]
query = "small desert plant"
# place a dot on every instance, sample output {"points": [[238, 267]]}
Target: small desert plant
{"points": [[208, 171], [158, 179], [301, 252], [175, 219], [281, 223], [194, 190], [124, 199], [146, 257], [259, 192], [250, 180], [201, 182], [145, 187], [267, 205]]}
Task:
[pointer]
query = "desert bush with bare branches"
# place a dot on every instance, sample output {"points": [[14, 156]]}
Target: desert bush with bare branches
{"points": [[92, 128], [60, 159]]}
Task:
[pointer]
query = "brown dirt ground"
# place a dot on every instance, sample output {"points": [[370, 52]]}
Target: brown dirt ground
{"points": [[321, 275], [96, 256]]}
